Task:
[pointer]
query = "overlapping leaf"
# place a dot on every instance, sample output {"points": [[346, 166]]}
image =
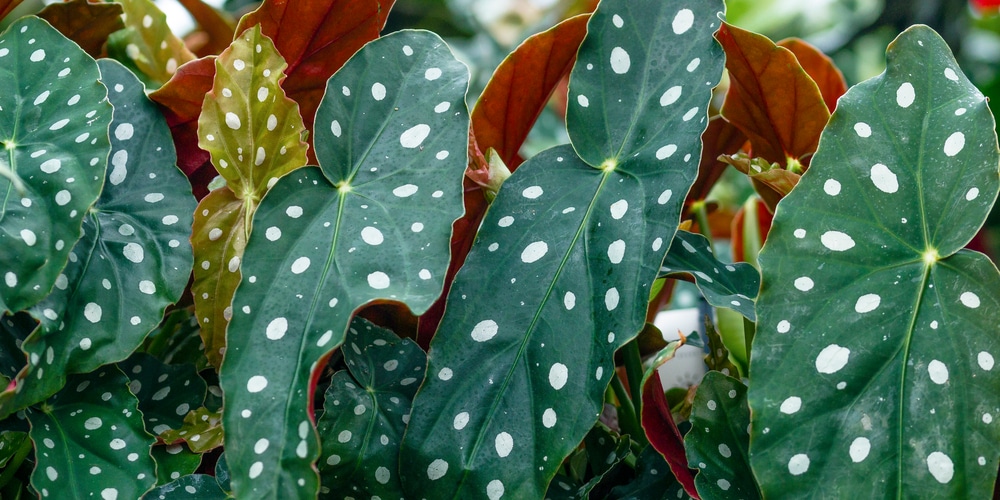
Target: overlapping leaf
{"points": [[133, 261], [173, 462], [216, 26], [88, 24], [366, 410], [373, 223], [718, 440], [200, 486], [327, 33], [201, 430], [653, 480], [54, 119], [517, 374], [820, 68], [166, 393], [732, 286], [254, 135], [869, 304], [771, 98], [147, 45], [90, 442]]}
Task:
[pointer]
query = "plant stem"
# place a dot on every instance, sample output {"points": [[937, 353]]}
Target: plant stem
{"points": [[16, 461], [749, 330], [634, 371], [627, 419], [701, 216]]}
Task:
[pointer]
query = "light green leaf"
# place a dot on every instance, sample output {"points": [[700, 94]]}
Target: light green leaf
{"points": [[887, 328]]}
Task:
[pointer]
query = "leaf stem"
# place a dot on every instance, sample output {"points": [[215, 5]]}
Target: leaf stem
{"points": [[634, 371], [701, 216], [15, 462], [627, 418]]}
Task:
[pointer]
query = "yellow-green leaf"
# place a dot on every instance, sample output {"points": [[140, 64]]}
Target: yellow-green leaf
{"points": [[146, 44]]}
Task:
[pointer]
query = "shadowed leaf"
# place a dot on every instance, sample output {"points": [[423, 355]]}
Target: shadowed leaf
{"points": [[87, 24], [200, 486], [166, 393], [771, 98], [174, 461]]}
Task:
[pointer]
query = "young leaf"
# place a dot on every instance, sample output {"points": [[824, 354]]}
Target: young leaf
{"points": [[200, 486], [166, 393], [326, 34], [771, 98], [869, 303], [731, 286], [820, 68], [201, 431], [502, 121], [371, 401], [575, 242], [372, 223], [255, 136], [718, 440], [49, 95], [147, 45], [133, 261], [90, 442], [87, 24]]}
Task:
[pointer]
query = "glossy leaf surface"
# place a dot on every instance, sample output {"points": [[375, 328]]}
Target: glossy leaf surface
{"points": [[732, 286], [658, 421], [200, 486], [42, 210], [771, 98], [869, 304], [147, 45], [254, 135], [718, 440], [166, 393], [174, 461], [90, 442], [516, 376], [373, 223], [133, 261], [366, 408]]}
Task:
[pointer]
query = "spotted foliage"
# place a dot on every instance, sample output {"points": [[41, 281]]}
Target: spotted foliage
{"points": [[200, 486], [166, 393], [147, 45], [732, 286], [571, 245], [372, 222], [54, 118], [869, 304]]}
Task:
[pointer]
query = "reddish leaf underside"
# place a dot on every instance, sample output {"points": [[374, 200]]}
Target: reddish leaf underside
{"points": [[521, 86], [720, 138], [316, 38], [771, 98], [820, 68], [87, 24], [663, 434], [750, 228]]}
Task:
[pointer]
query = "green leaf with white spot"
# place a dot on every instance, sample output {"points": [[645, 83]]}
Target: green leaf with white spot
{"points": [[372, 223], [200, 486], [147, 45], [174, 461], [90, 442], [255, 135], [573, 245], [177, 341], [732, 286], [605, 453], [718, 440], [166, 392], [133, 261], [653, 480], [10, 441], [54, 118], [869, 304], [201, 430], [366, 408]]}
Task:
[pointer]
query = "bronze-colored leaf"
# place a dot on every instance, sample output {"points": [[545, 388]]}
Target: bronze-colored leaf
{"points": [[820, 68], [87, 24], [217, 27]]}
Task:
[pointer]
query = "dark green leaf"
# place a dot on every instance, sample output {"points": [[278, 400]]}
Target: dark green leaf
{"points": [[166, 392], [174, 461], [873, 365], [199, 486], [653, 481], [373, 223], [732, 286], [54, 118]]}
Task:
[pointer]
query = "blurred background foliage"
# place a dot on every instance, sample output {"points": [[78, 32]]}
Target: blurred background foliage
{"points": [[854, 33]]}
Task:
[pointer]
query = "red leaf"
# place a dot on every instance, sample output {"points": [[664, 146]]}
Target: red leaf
{"points": [[316, 38], [521, 86], [820, 68], [180, 99], [218, 30], [87, 24], [771, 98], [663, 433], [720, 138], [750, 230]]}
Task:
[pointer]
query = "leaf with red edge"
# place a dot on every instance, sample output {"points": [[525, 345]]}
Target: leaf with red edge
{"points": [[658, 422], [326, 34], [771, 98], [180, 100], [87, 24], [820, 68], [520, 87]]}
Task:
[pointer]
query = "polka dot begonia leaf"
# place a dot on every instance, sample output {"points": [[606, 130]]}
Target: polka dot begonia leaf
{"points": [[10, 441], [373, 222], [605, 451], [653, 480], [255, 135], [200, 486], [147, 45], [731, 286], [89, 440], [54, 118], [202, 430], [870, 304], [174, 461], [717, 442], [366, 410], [133, 261], [166, 393], [571, 246]]}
